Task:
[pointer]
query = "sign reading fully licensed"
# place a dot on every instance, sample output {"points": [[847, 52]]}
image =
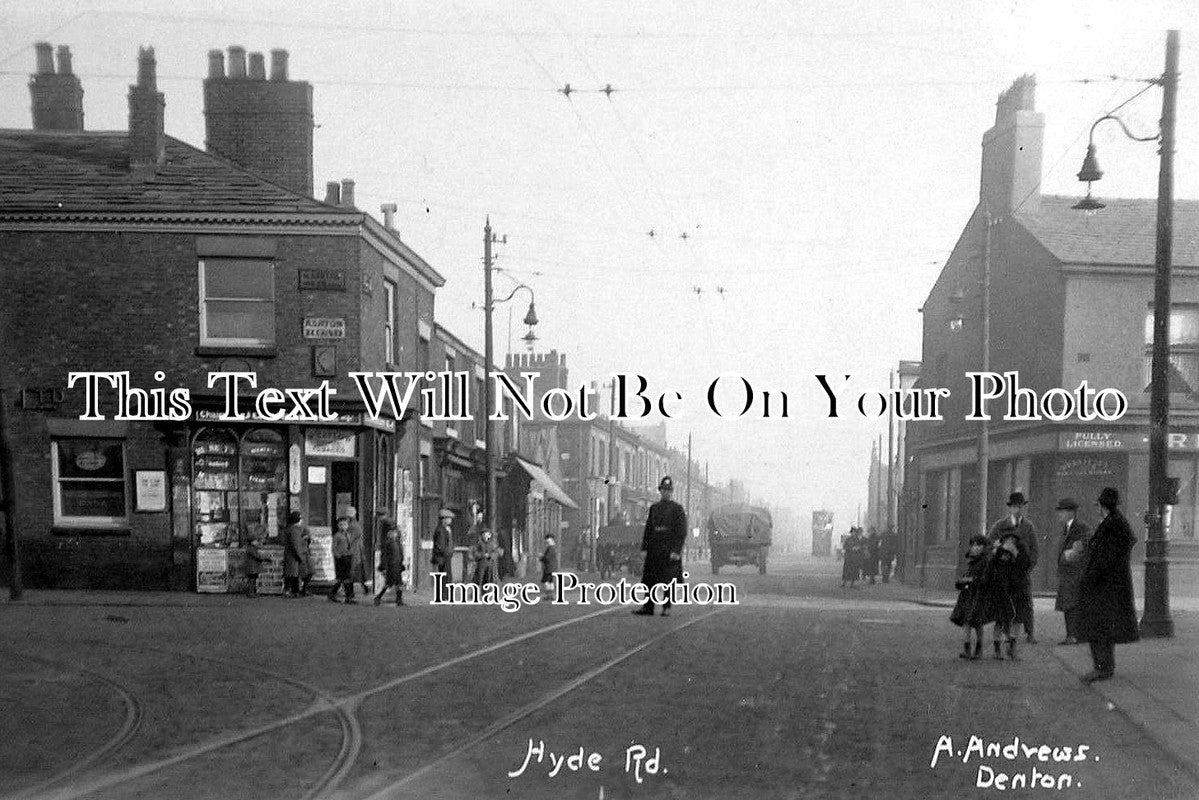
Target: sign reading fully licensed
{"points": [[1122, 441], [324, 328]]}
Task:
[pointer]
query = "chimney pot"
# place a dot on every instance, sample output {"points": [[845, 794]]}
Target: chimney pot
{"points": [[278, 65], [216, 64], [333, 193], [237, 62], [64, 60], [389, 215], [257, 67], [45, 58], [347, 192]]}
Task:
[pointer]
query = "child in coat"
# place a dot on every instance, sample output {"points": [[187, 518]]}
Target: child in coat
{"points": [[253, 559], [968, 612], [549, 563], [391, 564], [1004, 590], [343, 561]]}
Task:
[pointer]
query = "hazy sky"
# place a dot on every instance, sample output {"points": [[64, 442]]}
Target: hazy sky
{"points": [[821, 157]]}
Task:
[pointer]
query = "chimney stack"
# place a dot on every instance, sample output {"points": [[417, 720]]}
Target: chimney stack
{"points": [[1011, 162], [347, 192], [263, 126], [57, 97], [389, 215], [147, 141], [333, 193]]}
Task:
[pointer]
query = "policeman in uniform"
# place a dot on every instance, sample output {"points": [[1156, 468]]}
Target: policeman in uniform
{"points": [[663, 540]]}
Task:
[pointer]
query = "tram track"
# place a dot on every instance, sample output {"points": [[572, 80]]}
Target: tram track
{"points": [[343, 707], [395, 789], [134, 715]]}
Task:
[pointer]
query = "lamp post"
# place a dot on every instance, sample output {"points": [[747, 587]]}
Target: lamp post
{"points": [[1156, 621], [489, 304]]}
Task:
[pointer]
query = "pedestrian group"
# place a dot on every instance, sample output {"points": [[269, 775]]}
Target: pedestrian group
{"points": [[1094, 583]]}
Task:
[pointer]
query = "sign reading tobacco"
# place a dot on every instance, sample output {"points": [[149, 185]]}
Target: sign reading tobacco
{"points": [[324, 328]]}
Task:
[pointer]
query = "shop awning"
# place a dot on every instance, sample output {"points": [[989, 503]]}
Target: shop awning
{"points": [[546, 482]]}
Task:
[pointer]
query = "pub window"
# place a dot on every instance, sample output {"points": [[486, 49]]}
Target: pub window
{"points": [[90, 488], [1184, 348], [237, 302], [389, 321]]}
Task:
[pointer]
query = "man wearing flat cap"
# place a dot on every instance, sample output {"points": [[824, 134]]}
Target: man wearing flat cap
{"points": [[663, 541], [1016, 523], [1070, 561], [443, 544]]}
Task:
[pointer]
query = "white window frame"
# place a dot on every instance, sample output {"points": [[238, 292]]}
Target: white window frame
{"points": [[210, 341], [63, 521]]}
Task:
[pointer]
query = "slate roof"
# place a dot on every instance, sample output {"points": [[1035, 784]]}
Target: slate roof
{"points": [[1123, 233], [54, 174]]}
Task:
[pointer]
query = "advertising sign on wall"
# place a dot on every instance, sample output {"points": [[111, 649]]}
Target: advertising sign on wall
{"points": [[212, 570]]}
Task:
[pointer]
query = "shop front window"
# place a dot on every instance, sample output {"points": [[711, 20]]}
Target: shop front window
{"points": [[239, 486], [89, 483], [1182, 515]]}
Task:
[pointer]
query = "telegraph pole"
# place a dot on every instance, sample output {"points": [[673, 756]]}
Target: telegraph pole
{"points": [[488, 355], [689, 476], [1156, 620], [984, 431]]}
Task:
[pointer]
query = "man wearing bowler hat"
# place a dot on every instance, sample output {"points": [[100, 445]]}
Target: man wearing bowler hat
{"points": [[663, 541], [1107, 613], [1016, 523], [1070, 561]]}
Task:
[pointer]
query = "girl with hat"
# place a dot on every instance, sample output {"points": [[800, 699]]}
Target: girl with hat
{"points": [[968, 613], [1107, 613]]}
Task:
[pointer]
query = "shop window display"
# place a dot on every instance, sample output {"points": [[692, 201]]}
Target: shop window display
{"points": [[239, 493]]}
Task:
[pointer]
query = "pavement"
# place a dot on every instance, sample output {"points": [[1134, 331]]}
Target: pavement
{"points": [[1156, 685]]}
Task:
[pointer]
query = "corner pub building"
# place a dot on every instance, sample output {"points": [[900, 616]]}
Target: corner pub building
{"points": [[132, 251]]}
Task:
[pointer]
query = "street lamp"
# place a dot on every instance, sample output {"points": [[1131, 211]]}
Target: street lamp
{"points": [[489, 304], [1156, 621]]}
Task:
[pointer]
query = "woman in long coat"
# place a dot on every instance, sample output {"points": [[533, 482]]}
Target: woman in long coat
{"points": [[1107, 613], [295, 554]]}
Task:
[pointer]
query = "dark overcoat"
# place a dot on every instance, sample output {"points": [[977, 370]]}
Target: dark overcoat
{"points": [[870, 549], [486, 555], [295, 552], [1069, 572], [851, 552], [665, 533], [443, 547], [549, 563], [1005, 597], [969, 609], [357, 552], [391, 561], [1106, 609]]}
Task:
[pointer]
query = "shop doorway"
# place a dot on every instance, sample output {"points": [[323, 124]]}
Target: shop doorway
{"points": [[332, 488]]}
